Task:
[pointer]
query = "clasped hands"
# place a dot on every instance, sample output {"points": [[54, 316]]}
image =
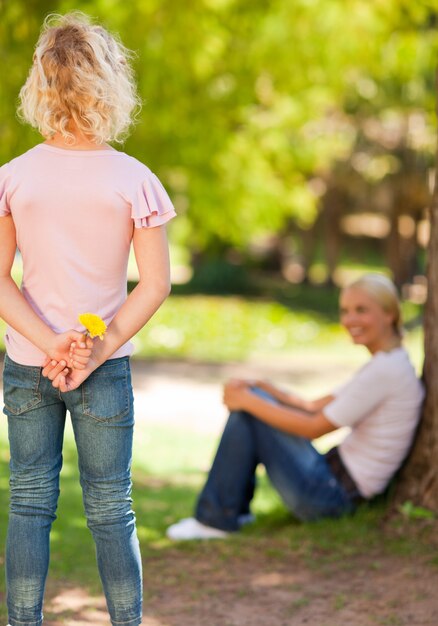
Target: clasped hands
{"points": [[237, 392], [69, 360]]}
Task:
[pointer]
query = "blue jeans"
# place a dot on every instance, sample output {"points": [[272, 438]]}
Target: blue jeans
{"points": [[102, 417], [295, 468]]}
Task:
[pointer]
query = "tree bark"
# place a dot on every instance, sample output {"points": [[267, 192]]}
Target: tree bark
{"points": [[419, 477], [331, 219]]}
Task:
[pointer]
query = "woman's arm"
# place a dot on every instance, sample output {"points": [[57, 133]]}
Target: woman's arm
{"points": [[15, 310], [152, 257], [290, 420], [291, 399]]}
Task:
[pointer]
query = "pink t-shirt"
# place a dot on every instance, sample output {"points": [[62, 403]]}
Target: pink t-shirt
{"points": [[381, 404], [74, 212]]}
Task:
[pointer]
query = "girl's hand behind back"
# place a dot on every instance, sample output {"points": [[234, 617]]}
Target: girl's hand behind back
{"points": [[79, 354], [72, 379], [66, 378], [60, 346]]}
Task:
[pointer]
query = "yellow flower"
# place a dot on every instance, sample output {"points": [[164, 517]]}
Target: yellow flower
{"points": [[94, 324]]}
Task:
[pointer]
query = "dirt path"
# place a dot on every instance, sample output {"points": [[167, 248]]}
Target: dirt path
{"points": [[211, 586]]}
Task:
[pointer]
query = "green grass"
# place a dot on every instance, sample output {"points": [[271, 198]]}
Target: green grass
{"points": [[227, 328]]}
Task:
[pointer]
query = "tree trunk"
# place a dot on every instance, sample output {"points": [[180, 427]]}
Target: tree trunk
{"points": [[332, 213], [393, 244], [419, 477]]}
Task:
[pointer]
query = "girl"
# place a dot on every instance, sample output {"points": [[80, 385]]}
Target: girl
{"points": [[73, 204], [380, 404]]}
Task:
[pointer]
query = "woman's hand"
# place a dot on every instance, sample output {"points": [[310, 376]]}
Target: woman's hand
{"points": [[235, 394]]}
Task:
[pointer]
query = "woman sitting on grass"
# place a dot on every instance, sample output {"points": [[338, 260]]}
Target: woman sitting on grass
{"points": [[381, 404]]}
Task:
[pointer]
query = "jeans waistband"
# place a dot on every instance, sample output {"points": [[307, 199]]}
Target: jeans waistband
{"points": [[340, 472]]}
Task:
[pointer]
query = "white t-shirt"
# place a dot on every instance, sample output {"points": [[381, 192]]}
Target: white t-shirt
{"points": [[381, 404]]}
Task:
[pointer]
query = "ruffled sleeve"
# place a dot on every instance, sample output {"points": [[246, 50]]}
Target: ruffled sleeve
{"points": [[4, 182], [151, 206]]}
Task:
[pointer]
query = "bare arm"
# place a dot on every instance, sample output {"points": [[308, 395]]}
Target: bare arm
{"points": [[15, 310], [152, 257], [292, 400], [285, 418]]}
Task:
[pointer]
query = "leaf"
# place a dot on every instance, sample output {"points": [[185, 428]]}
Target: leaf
{"points": [[409, 510]]}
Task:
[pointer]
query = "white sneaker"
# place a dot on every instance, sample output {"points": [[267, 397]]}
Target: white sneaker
{"points": [[190, 528], [245, 519]]}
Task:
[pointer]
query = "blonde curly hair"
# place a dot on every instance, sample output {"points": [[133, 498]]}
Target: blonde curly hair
{"points": [[81, 73]]}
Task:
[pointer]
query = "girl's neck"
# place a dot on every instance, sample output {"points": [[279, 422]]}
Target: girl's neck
{"points": [[81, 142]]}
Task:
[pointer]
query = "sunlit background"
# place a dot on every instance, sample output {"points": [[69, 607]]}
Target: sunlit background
{"points": [[296, 139]]}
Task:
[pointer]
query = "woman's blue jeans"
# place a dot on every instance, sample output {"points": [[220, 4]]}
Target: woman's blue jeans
{"points": [[295, 468], [102, 417]]}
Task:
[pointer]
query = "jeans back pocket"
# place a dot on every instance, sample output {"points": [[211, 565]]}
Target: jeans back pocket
{"points": [[107, 393], [20, 387]]}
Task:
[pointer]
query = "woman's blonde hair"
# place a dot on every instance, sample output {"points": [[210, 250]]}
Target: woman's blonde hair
{"points": [[384, 292], [80, 73]]}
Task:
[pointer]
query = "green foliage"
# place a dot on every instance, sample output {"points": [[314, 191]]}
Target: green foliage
{"points": [[247, 102], [219, 276]]}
